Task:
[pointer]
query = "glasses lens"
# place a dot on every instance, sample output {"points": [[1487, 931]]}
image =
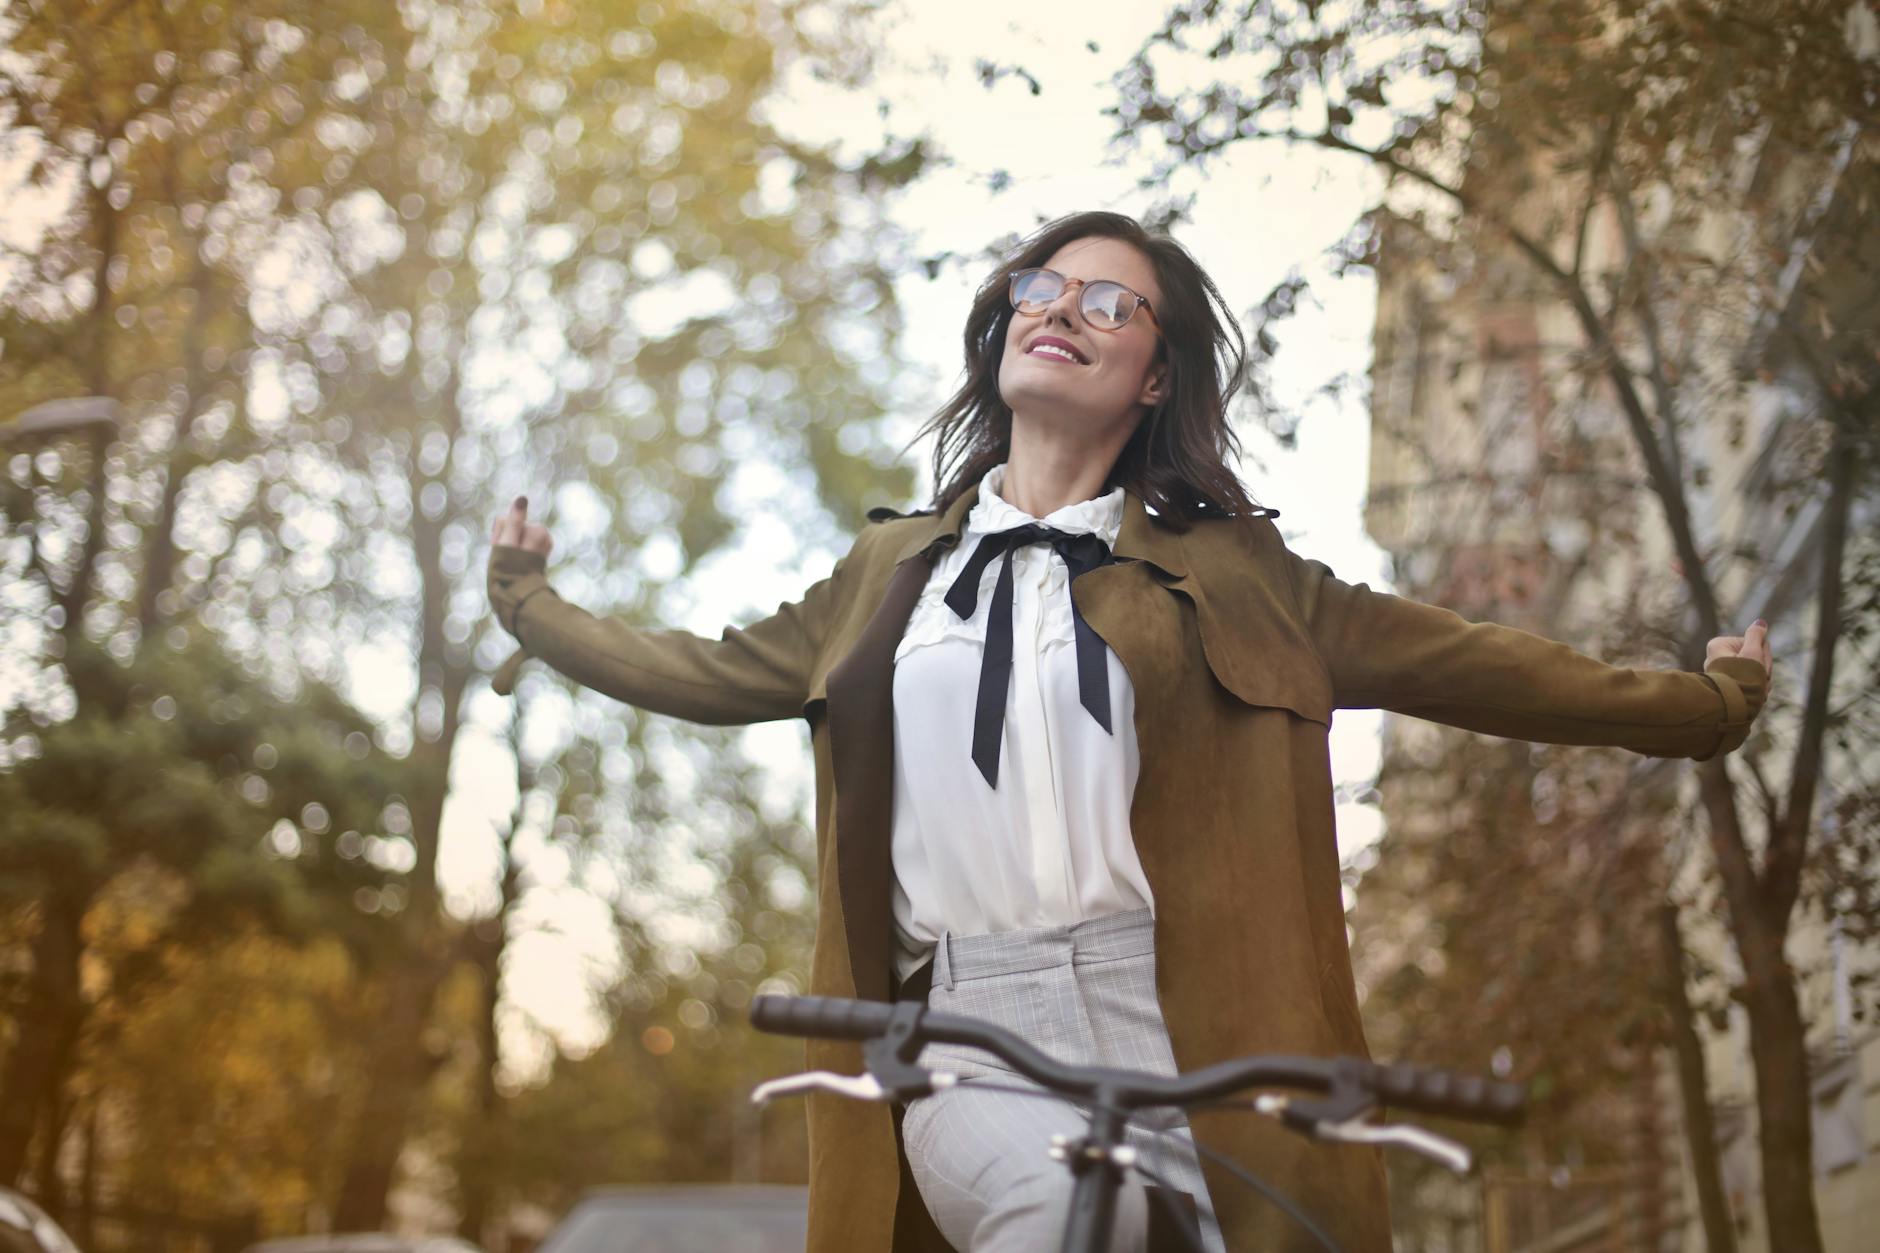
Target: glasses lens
{"points": [[1033, 290], [1108, 304]]}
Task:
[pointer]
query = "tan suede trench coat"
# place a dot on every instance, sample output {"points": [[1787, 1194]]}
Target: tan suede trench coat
{"points": [[1239, 651]]}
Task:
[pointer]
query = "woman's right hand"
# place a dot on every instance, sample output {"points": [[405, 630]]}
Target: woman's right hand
{"points": [[518, 553], [514, 529]]}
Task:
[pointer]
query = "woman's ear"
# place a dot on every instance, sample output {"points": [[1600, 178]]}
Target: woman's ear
{"points": [[1154, 385]]}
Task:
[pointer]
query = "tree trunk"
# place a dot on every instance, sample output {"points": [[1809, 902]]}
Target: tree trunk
{"points": [[88, 1178], [1778, 1047], [55, 1112], [401, 1067], [49, 1023], [401, 1063], [1700, 1131], [99, 382], [159, 572], [1648, 1227], [476, 1180], [160, 549], [1777, 1038], [489, 938]]}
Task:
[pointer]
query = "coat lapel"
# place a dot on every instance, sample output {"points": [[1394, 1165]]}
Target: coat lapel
{"points": [[1142, 538], [861, 751]]}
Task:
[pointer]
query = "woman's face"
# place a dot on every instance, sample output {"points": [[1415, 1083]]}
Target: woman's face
{"points": [[1112, 375]]}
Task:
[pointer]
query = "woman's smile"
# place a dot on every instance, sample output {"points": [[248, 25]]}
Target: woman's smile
{"points": [[1051, 348]]}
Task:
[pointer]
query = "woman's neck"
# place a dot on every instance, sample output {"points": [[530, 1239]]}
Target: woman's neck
{"points": [[1043, 474]]}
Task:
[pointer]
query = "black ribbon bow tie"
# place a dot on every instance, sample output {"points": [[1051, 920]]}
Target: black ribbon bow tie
{"points": [[1081, 553]]}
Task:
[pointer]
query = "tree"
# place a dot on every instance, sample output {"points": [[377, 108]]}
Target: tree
{"points": [[145, 757], [219, 1092], [665, 1098], [178, 768], [522, 179], [1504, 924], [1693, 186], [361, 273]]}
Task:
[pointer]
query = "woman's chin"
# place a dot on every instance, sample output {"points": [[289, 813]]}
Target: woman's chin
{"points": [[1056, 416], [1047, 408]]}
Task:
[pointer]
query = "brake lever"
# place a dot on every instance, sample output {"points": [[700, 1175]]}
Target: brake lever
{"points": [[861, 1087], [1439, 1149]]}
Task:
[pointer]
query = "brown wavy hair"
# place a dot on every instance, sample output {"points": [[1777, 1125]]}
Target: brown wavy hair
{"points": [[1177, 460]]}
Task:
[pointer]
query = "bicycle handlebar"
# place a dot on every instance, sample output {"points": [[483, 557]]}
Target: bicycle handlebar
{"points": [[825, 1017], [1425, 1090], [1448, 1094]]}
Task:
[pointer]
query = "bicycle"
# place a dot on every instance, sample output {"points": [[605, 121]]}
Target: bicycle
{"points": [[895, 1034]]}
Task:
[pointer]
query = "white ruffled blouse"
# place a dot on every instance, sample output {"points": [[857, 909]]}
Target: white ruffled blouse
{"points": [[1051, 844]]}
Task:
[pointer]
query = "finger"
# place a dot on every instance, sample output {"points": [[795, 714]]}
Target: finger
{"points": [[1756, 642], [508, 529], [535, 537]]}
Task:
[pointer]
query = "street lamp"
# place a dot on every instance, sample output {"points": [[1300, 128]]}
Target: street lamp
{"points": [[96, 419], [57, 419]]}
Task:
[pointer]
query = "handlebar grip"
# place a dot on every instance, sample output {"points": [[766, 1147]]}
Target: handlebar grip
{"points": [[1445, 1093], [822, 1016]]}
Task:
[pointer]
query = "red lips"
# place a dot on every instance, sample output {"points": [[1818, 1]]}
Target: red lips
{"points": [[1053, 341]]}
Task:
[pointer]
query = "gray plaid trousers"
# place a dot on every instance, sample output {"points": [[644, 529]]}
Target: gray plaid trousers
{"points": [[1083, 993]]}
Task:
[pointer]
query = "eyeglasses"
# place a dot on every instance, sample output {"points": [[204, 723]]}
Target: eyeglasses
{"points": [[1106, 305]]}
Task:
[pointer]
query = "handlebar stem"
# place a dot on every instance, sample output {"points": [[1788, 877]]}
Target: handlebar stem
{"points": [[1099, 1174]]}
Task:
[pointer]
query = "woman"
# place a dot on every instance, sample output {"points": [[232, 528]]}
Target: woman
{"points": [[1104, 819]]}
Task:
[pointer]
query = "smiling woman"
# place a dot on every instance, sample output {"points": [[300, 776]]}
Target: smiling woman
{"points": [[1072, 772], [1152, 392], [1115, 371]]}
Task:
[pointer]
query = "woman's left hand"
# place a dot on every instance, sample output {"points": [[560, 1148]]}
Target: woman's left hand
{"points": [[1753, 643]]}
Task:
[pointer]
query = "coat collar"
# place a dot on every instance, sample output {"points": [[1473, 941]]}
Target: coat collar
{"points": [[1142, 538]]}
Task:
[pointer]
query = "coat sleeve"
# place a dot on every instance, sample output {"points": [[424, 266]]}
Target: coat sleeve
{"points": [[1386, 652], [758, 673]]}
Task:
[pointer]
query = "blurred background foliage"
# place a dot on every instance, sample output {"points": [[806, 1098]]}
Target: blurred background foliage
{"points": [[356, 275]]}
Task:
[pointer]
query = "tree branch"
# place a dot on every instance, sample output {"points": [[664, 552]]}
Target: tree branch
{"points": [[1648, 320], [1717, 792], [1771, 803], [1788, 841], [1601, 159], [1668, 487]]}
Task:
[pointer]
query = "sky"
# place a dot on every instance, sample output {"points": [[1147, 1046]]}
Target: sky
{"points": [[1266, 212]]}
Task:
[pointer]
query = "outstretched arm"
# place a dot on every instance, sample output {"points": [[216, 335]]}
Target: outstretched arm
{"points": [[1386, 652], [757, 673]]}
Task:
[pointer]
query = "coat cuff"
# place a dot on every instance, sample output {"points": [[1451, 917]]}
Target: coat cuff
{"points": [[516, 577], [503, 682], [1742, 683]]}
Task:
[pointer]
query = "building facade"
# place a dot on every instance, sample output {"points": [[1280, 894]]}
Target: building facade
{"points": [[1506, 483]]}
